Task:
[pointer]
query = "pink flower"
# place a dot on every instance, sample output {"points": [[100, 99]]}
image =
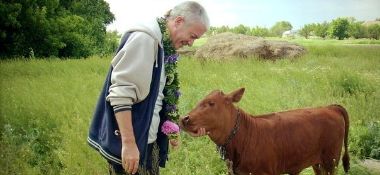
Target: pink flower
{"points": [[169, 128]]}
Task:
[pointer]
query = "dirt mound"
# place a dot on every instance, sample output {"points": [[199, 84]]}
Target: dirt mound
{"points": [[230, 45]]}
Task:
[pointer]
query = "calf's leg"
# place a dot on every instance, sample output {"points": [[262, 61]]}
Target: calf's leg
{"points": [[317, 169], [230, 167]]}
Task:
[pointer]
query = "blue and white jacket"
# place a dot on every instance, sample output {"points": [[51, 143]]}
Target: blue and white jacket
{"points": [[135, 88]]}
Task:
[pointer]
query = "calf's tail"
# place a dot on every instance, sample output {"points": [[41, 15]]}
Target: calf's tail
{"points": [[346, 157]]}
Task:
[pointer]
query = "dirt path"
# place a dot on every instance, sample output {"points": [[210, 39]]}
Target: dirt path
{"points": [[372, 164]]}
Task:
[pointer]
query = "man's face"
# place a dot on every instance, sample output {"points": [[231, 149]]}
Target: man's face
{"points": [[185, 33]]}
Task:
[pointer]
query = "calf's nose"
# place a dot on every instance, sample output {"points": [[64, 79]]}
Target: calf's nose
{"points": [[186, 119]]}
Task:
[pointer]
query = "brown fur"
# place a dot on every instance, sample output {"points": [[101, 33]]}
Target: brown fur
{"points": [[276, 143]]}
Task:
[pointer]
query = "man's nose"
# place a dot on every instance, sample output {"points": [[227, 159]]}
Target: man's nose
{"points": [[190, 43]]}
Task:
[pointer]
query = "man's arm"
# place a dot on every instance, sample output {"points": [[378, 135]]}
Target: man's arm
{"points": [[130, 154]]}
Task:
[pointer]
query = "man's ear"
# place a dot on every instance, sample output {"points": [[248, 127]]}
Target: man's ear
{"points": [[235, 96], [179, 20]]}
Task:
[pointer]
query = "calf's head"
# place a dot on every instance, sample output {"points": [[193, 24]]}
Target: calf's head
{"points": [[215, 113]]}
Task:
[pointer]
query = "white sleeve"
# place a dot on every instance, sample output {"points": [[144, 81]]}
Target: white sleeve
{"points": [[132, 71]]}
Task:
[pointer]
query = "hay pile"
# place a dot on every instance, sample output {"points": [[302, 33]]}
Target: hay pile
{"points": [[230, 45]]}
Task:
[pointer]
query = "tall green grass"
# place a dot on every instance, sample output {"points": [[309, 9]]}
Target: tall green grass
{"points": [[320, 41], [46, 105]]}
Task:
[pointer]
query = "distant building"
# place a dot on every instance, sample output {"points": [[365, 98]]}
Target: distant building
{"points": [[290, 34]]}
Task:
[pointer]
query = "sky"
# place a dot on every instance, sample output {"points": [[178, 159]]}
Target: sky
{"points": [[263, 13]]}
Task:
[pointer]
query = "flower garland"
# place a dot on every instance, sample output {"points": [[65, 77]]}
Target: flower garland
{"points": [[171, 89]]}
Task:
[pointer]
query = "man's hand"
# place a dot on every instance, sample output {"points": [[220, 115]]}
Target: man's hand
{"points": [[175, 143], [200, 132], [130, 156]]}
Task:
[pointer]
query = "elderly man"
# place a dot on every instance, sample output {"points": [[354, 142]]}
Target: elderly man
{"points": [[131, 109]]}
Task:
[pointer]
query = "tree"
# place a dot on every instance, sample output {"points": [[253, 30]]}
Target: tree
{"points": [[306, 30], [339, 28], [321, 29], [280, 27], [211, 30], [27, 27], [53, 27], [97, 15], [260, 31], [357, 30], [111, 42], [223, 29], [241, 29], [374, 31]]}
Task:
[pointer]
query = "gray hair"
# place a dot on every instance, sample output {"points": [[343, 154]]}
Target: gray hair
{"points": [[191, 11]]}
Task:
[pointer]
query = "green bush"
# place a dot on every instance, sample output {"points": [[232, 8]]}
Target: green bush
{"points": [[52, 28], [30, 143], [352, 84], [365, 142]]}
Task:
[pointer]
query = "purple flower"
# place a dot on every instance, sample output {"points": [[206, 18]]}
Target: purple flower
{"points": [[171, 58], [171, 108], [177, 93], [169, 127]]}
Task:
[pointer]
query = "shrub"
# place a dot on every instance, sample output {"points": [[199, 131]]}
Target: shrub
{"points": [[351, 84], [365, 142], [30, 145]]}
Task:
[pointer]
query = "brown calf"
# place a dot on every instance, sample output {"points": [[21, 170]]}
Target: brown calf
{"points": [[271, 144]]}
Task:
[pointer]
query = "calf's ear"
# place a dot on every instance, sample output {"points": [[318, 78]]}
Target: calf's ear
{"points": [[235, 96]]}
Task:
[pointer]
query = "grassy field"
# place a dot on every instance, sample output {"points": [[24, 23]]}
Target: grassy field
{"points": [[46, 105]]}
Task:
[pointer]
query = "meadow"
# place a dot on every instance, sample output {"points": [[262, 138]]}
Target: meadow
{"points": [[46, 104]]}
